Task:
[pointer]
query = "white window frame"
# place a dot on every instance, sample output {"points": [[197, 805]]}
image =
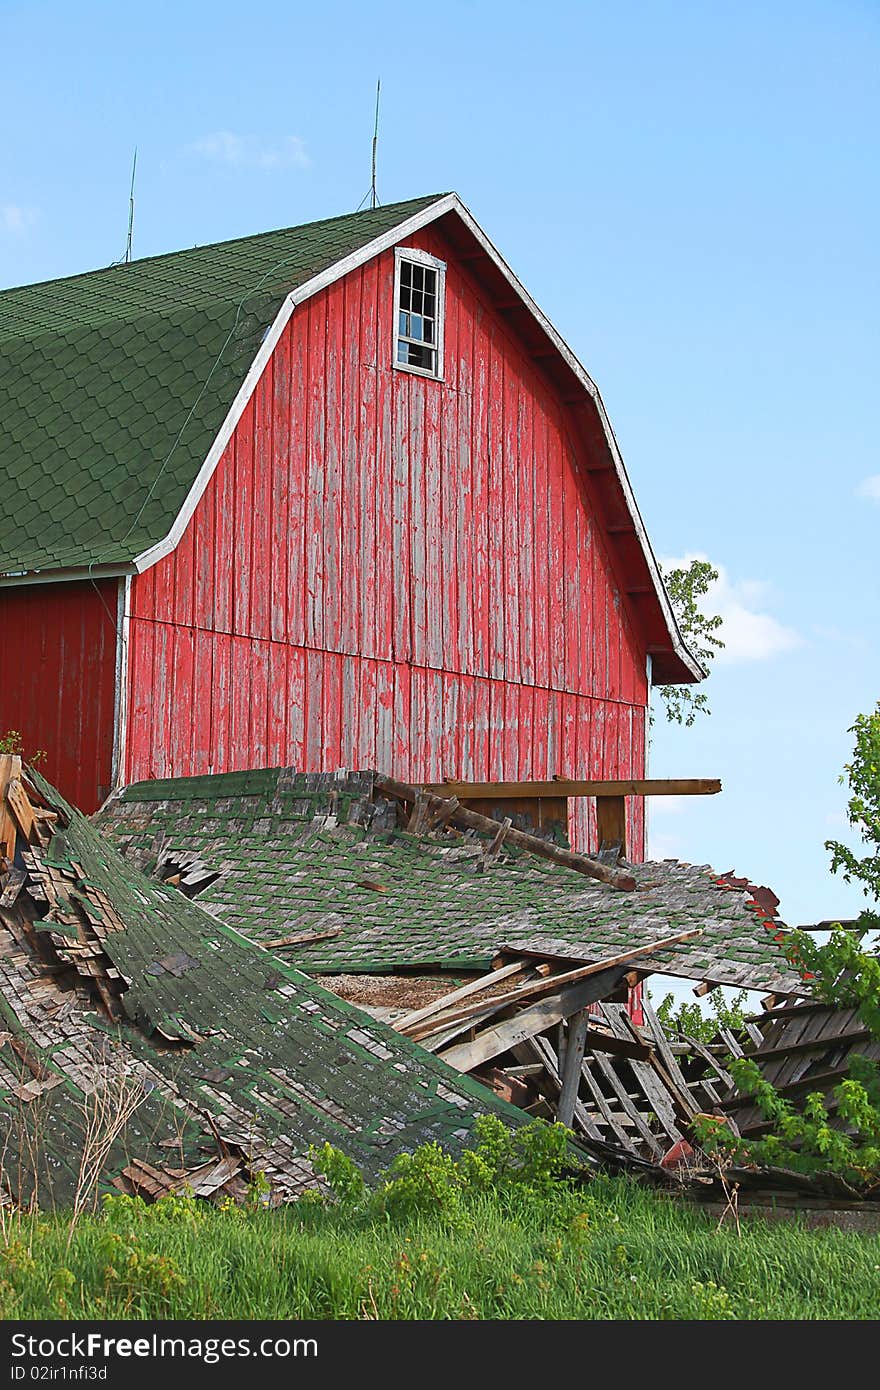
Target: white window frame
{"points": [[416, 257]]}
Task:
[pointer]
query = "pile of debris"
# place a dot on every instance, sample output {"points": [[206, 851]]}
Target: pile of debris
{"points": [[143, 1034], [156, 1034]]}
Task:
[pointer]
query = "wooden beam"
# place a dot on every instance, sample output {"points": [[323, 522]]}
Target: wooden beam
{"points": [[528, 991], [571, 786], [581, 863], [571, 1074], [536, 1019], [443, 1002]]}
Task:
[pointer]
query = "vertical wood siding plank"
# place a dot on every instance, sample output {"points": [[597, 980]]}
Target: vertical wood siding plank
{"points": [[296, 708], [381, 497], [384, 714], [278, 467], [510, 493], [545, 636], [401, 765], [315, 472], [526, 516], [555, 556], [203, 701], [402, 555], [441, 573], [223, 490], [350, 712], [242, 549], [481, 597], [495, 593], [414, 389], [333, 500], [353, 546], [297, 542], [262, 560]]}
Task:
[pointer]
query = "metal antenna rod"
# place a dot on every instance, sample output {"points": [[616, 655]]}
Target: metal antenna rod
{"points": [[127, 256], [374, 200]]}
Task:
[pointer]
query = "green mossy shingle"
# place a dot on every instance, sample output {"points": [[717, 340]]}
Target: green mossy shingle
{"points": [[114, 384], [438, 908]]}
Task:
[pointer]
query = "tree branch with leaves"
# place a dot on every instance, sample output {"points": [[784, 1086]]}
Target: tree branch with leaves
{"points": [[686, 586]]}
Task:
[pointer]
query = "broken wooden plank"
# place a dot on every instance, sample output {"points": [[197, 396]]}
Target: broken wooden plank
{"points": [[439, 1005], [615, 1084], [528, 991], [15, 881], [532, 1020], [8, 830], [604, 1109], [581, 863], [22, 810]]}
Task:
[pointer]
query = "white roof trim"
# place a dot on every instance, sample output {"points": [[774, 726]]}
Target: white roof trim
{"points": [[267, 347], [67, 575]]}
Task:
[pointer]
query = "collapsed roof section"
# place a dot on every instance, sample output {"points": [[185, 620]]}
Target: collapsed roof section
{"points": [[120, 995], [321, 858]]}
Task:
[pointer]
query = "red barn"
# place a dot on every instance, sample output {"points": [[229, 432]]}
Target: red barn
{"points": [[334, 496]]}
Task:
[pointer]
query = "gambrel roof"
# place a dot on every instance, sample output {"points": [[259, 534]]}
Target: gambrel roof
{"points": [[120, 388]]}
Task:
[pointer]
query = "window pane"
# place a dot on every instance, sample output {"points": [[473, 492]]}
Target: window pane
{"points": [[428, 330], [418, 275], [403, 353], [415, 326], [430, 281], [406, 273], [405, 293]]}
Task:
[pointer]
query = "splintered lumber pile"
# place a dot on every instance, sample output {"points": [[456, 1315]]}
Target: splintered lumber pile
{"points": [[432, 811], [23, 819], [79, 921], [559, 1043]]}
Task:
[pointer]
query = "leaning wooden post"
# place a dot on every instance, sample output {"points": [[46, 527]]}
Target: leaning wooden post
{"points": [[574, 1058]]}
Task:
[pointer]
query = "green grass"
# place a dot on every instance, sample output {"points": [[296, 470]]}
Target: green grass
{"points": [[606, 1250]]}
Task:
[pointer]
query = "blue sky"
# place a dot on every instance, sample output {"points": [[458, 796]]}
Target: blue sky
{"points": [[690, 191]]}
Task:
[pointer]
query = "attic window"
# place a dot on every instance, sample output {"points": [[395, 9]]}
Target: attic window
{"points": [[419, 292]]}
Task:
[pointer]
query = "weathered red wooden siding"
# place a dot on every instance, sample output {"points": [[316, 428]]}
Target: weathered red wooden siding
{"points": [[58, 681], [387, 571]]}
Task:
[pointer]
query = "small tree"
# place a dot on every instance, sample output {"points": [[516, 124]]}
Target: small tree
{"points": [[685, 587], [863, 814], [807, 1135]]}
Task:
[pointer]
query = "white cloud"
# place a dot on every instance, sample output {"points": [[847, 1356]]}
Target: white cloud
{"points": [[250, 152], [748, 631], [870, 487], [16, 219]]}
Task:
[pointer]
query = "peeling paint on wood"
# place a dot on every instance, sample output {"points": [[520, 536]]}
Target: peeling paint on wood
{"points": [[391, 571]]}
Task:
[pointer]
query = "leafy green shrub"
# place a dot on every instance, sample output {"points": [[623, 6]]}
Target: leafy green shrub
{"points": [[690, 1020], [804, 1137], [531, 1160]]}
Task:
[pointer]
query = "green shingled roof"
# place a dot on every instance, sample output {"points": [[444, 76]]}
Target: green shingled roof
{"points": [[266, 1060], [291, 852], [114, 384]]}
